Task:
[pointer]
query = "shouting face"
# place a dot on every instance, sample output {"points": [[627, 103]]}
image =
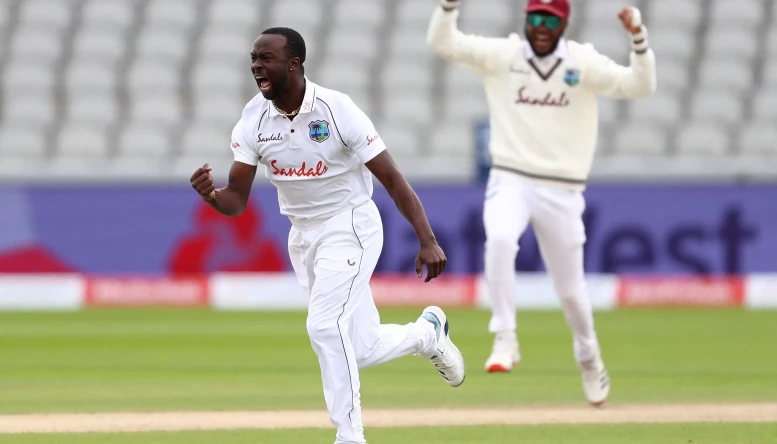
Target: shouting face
{"points": [[543, 30], [271, 65]]}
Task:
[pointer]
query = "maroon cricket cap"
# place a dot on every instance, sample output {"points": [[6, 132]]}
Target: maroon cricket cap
{"points": [[555, 7]]}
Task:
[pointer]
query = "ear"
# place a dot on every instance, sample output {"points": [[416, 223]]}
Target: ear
{"points": [[564, 23], [294, 64]]}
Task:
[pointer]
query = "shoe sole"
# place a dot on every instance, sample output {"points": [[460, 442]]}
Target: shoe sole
{"points": [[461, 361], [440, 314], [499, 368]]}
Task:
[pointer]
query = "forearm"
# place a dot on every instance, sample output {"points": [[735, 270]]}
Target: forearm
{"points": [[641, 80], [625, 82], [409, 205], [442, 32], [447, 41], [227, 202]]}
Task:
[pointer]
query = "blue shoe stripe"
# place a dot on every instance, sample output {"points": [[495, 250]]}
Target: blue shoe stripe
{"points": [[436, 322]]}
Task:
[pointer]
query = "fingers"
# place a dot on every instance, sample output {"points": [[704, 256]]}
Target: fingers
{"points": [[202, 178], [202, 182], [436, 266], [419, 271], [196, 174], [200, 171], [625, 16]]}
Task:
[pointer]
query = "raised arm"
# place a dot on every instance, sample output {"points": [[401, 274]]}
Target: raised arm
{"points": [[610, 79], [232, 199], [478, 53]]}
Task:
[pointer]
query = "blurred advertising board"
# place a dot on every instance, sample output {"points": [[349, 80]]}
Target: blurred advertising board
{"points": [[637, 229], [281, 291]]}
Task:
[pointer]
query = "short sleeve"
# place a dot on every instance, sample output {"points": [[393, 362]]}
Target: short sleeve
{"points": [[359, 134], [242, 146]]}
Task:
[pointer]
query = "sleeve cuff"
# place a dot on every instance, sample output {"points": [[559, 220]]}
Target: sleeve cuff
{"points": [[639, 41], [246, 159], [367, 154]]}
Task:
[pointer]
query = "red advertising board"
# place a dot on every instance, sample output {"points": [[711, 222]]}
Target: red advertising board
{"points": [[147, 291], [388, 290], [688, 291]]}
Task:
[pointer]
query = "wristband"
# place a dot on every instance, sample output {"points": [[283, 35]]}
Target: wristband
{"points": [[639, 41], [449, 6]]}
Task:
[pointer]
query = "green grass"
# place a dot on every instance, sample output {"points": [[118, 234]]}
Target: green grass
{"points": [[145, 360], [587, 434]]}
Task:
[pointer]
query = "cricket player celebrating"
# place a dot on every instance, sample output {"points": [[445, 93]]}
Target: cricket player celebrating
{"points": [[320, 151], [542, 94]]}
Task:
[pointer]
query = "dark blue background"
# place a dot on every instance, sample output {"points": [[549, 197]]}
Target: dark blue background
{"points": [[717, 229]]}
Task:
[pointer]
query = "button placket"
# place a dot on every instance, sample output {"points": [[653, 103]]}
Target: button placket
{"points": [[293, 134]]}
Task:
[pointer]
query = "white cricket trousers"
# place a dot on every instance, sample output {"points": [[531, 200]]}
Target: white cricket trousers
{"points": [[333, 260], [511, 203]]}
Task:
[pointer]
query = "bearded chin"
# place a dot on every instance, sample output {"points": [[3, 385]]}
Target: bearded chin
{"points": [[552, 48]]}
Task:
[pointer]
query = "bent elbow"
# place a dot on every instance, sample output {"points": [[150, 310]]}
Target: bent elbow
{"points": [[648, 90], [437, 44], [640, 90]]}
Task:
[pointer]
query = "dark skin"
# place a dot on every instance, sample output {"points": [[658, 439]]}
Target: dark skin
{"points": [[544, 41], [280, 79]]}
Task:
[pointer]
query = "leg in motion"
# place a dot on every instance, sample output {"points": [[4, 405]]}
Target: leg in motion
{"points": [[375, 343], [505, 216], [341, 268], [561, 235], [427, 337]]}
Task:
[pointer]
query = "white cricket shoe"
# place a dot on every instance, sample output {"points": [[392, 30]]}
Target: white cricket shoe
{"points": [[596, 381], [448, 358], [505, 353]]}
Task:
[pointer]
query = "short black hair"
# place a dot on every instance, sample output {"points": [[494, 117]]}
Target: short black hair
{"points": [[295, 44]]}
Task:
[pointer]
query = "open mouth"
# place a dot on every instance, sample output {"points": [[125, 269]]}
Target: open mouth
{"points": [[542, 41], [264, 83]]}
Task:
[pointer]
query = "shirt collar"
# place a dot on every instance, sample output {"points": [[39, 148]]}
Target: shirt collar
{"points": [[560, 52], [308, 102]]}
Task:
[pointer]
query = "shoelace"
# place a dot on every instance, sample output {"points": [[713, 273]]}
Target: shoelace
{"points": [[437, 360]]}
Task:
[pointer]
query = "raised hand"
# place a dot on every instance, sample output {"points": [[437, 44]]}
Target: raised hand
{"points": [[202, 182], [631, 19]]}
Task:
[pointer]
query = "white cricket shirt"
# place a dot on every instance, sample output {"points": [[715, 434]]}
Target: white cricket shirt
{"points": [[316, 161], [543, 111]]}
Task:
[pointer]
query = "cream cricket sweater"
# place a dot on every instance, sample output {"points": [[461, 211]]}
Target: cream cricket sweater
{"points": [[543, 111]]}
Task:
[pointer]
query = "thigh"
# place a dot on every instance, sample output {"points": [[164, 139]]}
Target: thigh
{"points": [[298, 251], [557, 219], [346, 254], [505, 210]]}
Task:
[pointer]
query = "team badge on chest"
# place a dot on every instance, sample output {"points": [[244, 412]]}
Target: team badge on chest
{"points": [[319, 130], [572, 77]]}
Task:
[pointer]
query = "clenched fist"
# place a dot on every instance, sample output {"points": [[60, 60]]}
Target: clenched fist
{"points": [[631, 19], [450, 4], [202, 182]]}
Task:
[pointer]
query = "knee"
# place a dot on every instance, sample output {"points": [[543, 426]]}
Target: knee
{"points": [[322, 332], [571, 290], [501, 245]]}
